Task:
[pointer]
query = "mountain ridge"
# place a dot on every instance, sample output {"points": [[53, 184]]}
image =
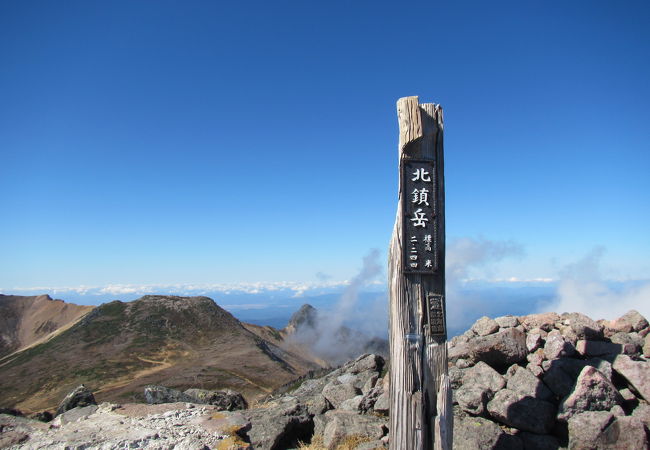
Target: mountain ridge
{"points": [[118, 347]]}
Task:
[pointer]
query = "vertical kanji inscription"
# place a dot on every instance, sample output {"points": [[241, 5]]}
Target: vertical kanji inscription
{"points": [[419, 207]]}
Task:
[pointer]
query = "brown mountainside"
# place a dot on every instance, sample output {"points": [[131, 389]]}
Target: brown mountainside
{"points": [[25, 320], [118, 348]]}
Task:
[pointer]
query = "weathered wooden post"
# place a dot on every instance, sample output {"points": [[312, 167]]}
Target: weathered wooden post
{"points": [[420, 394]]}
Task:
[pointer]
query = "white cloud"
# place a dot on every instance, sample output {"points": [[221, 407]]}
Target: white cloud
{"points": [[294, 287], [582, 288]]}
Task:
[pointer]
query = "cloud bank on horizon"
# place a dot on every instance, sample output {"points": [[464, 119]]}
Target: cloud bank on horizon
{"points": [[579, 287], [583, 288]]}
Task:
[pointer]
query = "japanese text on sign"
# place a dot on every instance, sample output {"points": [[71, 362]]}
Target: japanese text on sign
{"points": [[419, 224], [436, 313]]}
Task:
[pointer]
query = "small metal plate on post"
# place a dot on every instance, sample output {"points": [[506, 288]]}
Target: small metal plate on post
{"points": [[420, 228], [436, 315]]}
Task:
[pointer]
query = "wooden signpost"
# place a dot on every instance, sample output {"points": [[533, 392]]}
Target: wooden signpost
{"points": [[420, 394]]}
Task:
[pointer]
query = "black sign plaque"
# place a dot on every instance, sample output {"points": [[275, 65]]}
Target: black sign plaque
{"points": [[419, 220], [436, 314]]}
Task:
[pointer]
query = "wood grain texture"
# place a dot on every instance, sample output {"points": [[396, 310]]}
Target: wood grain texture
{"points": [[419, 417]]}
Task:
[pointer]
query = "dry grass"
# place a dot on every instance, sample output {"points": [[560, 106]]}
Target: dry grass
{"points": [[232, 443], [349, 443]]}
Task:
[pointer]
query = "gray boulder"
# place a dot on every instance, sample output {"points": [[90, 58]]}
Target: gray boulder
{"points": [[625, 433], [352, 404], [483, 376], [632, 338], [592, 392], [472, 398], [317, 405], [335, 426], [501, 349], [336, 393], [600, 348], [485, 326], [507, 321], [560, 374], [544, 321], [630, 321], [226, 400], [382, 405], [557, 346], [154, 395], [370, 398], [524, 382], [524, 413], [471, 433], [642, 411], [366, 362], [74, 415], [636, 373], [280, 424], [585, 429], [79, 397], [583, 326]]}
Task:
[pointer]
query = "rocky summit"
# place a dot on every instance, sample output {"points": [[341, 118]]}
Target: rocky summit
{"points": [[542, 381]]}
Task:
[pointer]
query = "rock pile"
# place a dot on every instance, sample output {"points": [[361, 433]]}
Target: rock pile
{"points": [[225, 400], [547, 381], [542, 381]]}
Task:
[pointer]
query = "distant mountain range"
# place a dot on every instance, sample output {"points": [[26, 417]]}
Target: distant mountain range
{"points": [[48, 347]]}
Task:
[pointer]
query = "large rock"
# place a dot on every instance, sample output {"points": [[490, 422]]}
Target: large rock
{"points": [[80, 396], [366, 362], [336, 393], [280, 424], [501, 349], [637, 374], [592, 392], [472, 398], [583, 326], [352, 404], [472, 433], [544, 321], [601, 430], [343, 424], [485, 326], [508, 321], [646, 346], [524, 382], [585, 429], [625, 433], [483, 376], [560, 374], [633, 338], [74, 415], [630, 321], [155, 395], [534, 341], [557, 346], [642, 411], [524, 413], [601, 348], [458, 349], [226, 400], [382, 405]]}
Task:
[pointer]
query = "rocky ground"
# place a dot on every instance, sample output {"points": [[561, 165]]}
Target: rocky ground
{"points": [[543, 381]]}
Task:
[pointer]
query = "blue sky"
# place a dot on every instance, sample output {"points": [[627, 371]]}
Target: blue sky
{"points": [[236, 142]]}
